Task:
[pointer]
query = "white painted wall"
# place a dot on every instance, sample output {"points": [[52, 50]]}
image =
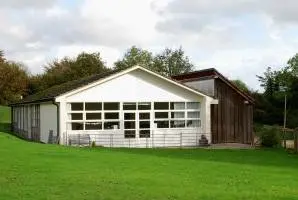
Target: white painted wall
{"points": [[135, 86], [48, 121]]}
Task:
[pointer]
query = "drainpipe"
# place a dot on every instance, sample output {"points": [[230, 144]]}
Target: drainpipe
{"points": [[58, 119], [11, 119]]}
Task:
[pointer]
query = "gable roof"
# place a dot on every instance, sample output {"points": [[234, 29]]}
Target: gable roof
{"points": [[75, 86], [210, 74]]}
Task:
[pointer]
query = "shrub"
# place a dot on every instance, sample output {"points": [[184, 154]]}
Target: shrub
{"points": [[270, 136], [93, 144]]}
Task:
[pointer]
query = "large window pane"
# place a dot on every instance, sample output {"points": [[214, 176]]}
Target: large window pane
{"points": [[129, 116], [93, 116], [77, 106], [193, 114], [175, 115], [129, 133], [93, 106], [129, 106], [110, 125], [162, 124], [177, 123], [77, 126], [144, 115], [193, 105], [161, 105], [111, 106], [193, 123], [76, 116], [177, 105], [161, 115], [144, 133], [129, 125], [93, 125], [144, 124], [144, 106], [111, 115]]}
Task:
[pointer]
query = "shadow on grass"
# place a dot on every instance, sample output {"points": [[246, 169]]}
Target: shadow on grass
{"points": [[5, 127], [259, 157]]}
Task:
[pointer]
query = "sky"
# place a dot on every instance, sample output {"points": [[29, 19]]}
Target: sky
{"points": [[239, 38]]}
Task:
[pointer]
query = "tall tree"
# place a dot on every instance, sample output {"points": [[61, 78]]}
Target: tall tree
{"points": [[241, 85], [172, 62], [2, 59], [13, 82], [135, 56]]}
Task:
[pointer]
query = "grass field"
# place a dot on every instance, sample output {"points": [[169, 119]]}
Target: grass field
{"points": [[31, 171]]}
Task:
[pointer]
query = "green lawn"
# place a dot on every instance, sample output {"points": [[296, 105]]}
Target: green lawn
{"points": [[37, 171], [4, 114]]}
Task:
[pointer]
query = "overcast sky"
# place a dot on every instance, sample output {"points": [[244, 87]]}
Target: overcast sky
{"points": [[239, 38]]}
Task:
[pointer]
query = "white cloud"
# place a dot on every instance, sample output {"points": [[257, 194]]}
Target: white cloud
{"points": [[240, 38]]}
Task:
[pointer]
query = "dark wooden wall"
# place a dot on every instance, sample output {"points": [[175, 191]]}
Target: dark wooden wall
{"points": [[232, 118]]}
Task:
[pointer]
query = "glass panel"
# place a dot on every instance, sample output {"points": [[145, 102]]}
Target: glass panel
{"points": [[177, 115], [129, 133], [161, 115], [111, 115], [144, 133], [130, 125], [193, 114], [193, 123], [111, 106], [144, 115], [144, 124], [177, 123], [129, 116], [144, 106], [93, 116], [77, 106], [93, 106], [77, 126], [76, 116], [93, 126], [193, 105], [177, 105], [162, 124], [110, 125], [161, 105], [129, 106]]}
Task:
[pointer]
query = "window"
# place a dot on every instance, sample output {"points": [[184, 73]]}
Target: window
{"points": [[177, 114], [76, 116], [161, 115], [177, 105], [144, 133], [93, 116], [161, 105], [130, 133], [144, 106], [77, 106], [129, 106], [111, 125], [93, 106], [144, 115], [114, 115], [77, 126], [193, 105], [129, 116], [93, 125], [111, 106]]}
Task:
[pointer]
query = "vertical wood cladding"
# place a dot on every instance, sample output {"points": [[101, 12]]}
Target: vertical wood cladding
{"points": [[232, 118]]}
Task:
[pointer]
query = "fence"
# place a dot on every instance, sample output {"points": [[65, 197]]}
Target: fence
{"points": [[289, 139], [165, 138]]}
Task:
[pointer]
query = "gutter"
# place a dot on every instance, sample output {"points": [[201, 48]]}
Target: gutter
{"points": [[58, 119]]}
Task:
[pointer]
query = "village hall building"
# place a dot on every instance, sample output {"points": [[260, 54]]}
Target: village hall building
{"points": [[134, 107]]}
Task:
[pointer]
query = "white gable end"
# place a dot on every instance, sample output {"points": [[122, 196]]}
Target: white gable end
{"points": [[133, 86]]}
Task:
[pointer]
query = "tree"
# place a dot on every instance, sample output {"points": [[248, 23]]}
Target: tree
{"points": [[68, 69], [172, 62], [241, 85], [269, 81], [2, 59], [135, 56], [13, 82]]}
